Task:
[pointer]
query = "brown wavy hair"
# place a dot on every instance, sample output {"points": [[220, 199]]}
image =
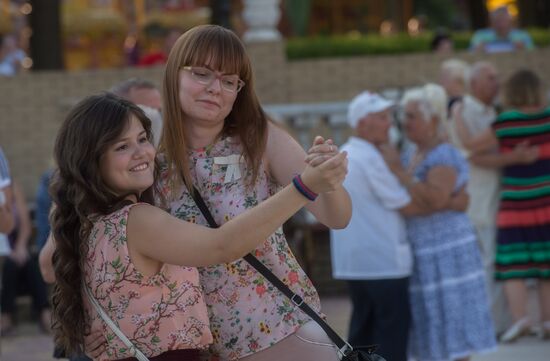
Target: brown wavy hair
{"points": [[247, 120], [78, 192]]}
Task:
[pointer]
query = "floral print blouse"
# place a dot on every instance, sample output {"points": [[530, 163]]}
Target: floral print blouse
{"points": [[247, 314], [158, 314]]}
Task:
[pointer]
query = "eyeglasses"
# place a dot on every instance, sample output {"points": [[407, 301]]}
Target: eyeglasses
{"points": [[230, 83]]}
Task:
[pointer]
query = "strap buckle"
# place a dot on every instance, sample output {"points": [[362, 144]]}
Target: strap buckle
{"points": [[345, 350], [133, 349], [298, 301]]}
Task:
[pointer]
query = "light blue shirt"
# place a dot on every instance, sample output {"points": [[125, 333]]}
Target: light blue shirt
{"points": [[495, 44]]}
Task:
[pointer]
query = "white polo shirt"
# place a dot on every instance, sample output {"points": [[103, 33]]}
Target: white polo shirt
{"points": [[374, 244]]}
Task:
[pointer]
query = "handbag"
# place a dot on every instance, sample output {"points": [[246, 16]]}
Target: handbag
{"points": [[135, 351], [345, 351]]}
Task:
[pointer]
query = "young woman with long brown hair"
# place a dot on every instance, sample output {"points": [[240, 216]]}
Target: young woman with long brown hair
{"points": [[218, 139]]}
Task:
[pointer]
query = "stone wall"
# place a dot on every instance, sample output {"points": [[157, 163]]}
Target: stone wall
{"points": [[33, 105]]}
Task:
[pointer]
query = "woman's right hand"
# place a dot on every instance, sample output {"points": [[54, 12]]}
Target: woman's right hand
{"points": [[328, 176], [97, 346]]}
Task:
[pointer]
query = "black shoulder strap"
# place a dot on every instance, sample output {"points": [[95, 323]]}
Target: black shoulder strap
{"points": [[344, 347]]}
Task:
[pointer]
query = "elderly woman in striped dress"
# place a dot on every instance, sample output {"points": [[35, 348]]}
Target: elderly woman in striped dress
{"points": [[523, 246]]}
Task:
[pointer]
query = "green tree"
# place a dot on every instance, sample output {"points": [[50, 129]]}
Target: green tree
{"points": [[298, 15], [439, 13]]}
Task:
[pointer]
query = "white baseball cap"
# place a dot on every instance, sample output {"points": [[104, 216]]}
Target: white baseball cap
{"points": [[365, 104]]}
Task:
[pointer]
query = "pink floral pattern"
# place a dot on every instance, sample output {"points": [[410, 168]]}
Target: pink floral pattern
{"points": [[247, 314], [159, 313]]}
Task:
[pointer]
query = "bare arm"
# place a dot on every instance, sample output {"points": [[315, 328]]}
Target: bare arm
{"points": [[479, 143], [285, 158], [46, 262], [432, 195], [20, 252], [483, 146], [7, 220], [182, 243], [522, 154], [422, 199], [460, 201]]}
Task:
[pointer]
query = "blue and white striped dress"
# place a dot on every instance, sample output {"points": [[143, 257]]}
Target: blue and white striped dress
{"points": [[449, 303]]}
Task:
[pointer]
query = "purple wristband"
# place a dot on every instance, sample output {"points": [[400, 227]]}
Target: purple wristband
{"points": [[303, 189]]}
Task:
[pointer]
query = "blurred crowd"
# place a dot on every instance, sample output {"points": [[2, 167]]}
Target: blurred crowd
{"points": [[501, 36], [452, 221]]}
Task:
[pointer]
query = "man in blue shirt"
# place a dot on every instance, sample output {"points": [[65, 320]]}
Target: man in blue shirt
{"points": [[501, 36]]}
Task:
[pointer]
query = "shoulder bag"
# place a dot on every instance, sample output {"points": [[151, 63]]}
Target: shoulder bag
{"points": [[345, 351]]}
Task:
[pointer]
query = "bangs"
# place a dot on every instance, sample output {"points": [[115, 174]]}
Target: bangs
{"points": [[143, 119], [218, 49], [119, 122]]}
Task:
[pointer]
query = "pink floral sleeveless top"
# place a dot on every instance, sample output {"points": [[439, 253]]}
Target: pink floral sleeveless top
{"points": [[247, 314], [159, 313]]}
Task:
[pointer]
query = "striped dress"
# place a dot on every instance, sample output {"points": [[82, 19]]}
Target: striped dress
{"points": [[523, 238]]}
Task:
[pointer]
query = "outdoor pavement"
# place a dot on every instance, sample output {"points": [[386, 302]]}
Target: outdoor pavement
{"points": [[31, 345]]}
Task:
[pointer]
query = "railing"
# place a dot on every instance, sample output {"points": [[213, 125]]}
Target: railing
{"points": [[305, 120], [302, 119]]}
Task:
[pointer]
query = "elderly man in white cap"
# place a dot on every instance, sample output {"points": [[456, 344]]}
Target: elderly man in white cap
{"points": [[372, 253]]}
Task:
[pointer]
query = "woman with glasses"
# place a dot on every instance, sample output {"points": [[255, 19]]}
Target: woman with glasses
{"points": [[218, 139]]}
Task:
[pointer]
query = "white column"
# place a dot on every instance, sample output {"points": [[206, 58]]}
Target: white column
{"points": [[262, 18]]}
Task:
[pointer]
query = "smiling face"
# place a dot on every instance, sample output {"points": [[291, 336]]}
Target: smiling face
{"points": [[127, 166]]}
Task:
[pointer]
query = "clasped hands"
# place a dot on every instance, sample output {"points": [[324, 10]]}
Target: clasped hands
{"points": [[322, 151]]}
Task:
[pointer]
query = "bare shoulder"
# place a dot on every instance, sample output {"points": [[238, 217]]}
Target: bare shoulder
{"points": [[142, 214]]}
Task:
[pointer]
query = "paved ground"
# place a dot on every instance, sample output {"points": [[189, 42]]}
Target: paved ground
{"points": [[525, 349], [31, 345]]}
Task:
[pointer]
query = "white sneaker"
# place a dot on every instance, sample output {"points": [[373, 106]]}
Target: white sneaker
{"points": [[518, 329]]}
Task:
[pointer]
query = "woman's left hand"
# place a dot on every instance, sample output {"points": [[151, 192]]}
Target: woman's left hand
{"points": [[328, 176], [321, 151]]}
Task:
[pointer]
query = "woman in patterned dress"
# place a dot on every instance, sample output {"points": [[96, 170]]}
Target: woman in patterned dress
{"points": [[523, 247], [218, 138], [137, 260], [449, 305]]}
